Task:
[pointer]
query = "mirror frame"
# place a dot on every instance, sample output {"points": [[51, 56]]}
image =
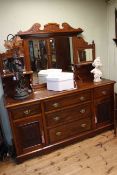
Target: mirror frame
{"points": [[50, 30], [81, 44], [82, 69]]}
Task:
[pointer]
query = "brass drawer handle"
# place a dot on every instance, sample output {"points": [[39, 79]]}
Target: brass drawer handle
{"points": [[56, 118], [58, 133], [55, 105], [82, 98], [104, 92], [82, 111], [83, 125], [27, 111]]}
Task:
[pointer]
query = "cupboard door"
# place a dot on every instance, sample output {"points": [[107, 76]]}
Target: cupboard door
{"points": [[103, 111], [28, 135]]}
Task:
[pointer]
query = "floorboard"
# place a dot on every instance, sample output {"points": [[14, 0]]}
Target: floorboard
{"points": [[94, 156]]}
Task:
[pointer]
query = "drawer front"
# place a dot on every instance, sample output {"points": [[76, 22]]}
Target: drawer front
{"points": [[67, 131], [25, 111], [59, 102], [103, 91], [70, 114]]}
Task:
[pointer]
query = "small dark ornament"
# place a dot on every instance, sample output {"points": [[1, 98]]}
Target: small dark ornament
{"points": [[21, 91]]}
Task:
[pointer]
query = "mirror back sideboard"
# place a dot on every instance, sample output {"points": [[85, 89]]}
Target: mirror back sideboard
{"points": [[47, 120]]}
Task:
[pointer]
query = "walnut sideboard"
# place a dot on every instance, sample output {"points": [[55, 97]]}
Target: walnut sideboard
{"points": [[48, 120]]}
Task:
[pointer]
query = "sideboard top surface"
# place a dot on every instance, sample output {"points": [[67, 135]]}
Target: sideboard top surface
{"points": [[43, 93]]}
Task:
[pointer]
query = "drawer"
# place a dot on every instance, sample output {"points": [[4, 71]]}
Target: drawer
{"points": [[74, 98], [25, 111], [70, 114], [69, 130], [103, 91]]}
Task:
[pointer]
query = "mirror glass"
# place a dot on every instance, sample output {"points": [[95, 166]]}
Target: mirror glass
{"points": [[38, 57], [50, 53], [85, 55]]}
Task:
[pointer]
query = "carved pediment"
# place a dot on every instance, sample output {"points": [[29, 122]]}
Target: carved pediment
{"points": [[81, 43], [51, 28], [34, 29]]}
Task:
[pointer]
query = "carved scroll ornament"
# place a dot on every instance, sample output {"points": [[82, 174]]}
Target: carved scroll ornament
{"points": [[51, 28]]}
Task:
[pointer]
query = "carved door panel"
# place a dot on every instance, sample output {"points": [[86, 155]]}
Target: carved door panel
{"points": [[28, 135], [103, 111]]}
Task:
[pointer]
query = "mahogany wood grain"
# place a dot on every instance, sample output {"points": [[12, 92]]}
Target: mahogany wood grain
{"points": [[69, 130], [76, 119], [68, 114]]}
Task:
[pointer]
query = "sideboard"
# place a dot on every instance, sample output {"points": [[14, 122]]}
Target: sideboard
{"points": [[48, 120]]}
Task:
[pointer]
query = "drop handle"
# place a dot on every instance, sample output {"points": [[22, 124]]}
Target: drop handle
{"points": [[55, 105], [26, 112], [104, 92], [82, 98], [82, 111], [58, 133], [83, 125], [57, 118]]}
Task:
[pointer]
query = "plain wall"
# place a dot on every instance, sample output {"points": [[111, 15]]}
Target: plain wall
{"points": [[90, 15]]}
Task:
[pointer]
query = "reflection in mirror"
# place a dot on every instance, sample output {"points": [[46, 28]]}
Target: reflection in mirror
{"points": [[61, 55], [50, 53], [85, 55], [38, 57], [53, 53]]}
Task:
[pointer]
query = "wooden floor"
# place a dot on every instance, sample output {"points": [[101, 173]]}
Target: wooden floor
{"points": [[94, 156]]}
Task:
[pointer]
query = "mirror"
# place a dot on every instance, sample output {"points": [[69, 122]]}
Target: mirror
{"points": [[51, 47], [85, 51], [38, 57], [85, 55], [84, 59], [50, 53]]}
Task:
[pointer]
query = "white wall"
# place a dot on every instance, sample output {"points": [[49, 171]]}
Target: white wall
{"points": [[90, 15]]}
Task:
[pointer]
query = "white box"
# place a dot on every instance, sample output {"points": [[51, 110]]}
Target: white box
{"points": [[60, 82], [44, 73]]}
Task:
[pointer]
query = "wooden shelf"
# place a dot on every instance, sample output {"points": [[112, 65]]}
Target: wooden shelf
{"points": [[85, 63], [10, 74]]}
